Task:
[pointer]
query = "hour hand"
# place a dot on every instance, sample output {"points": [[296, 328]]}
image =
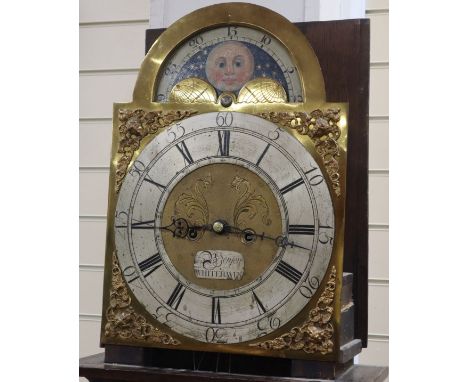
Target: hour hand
{"points": [[250, 235], [179, 228]]}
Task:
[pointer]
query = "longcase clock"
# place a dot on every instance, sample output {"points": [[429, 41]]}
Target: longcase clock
{"points": [[227, 189]]}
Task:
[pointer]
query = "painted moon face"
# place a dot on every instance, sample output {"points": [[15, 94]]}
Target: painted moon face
{"points": [[229, 66]]}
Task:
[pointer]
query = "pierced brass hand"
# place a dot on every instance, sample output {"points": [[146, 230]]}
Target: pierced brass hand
{"points": [[249, 235], [183, 229], [178, 227]]}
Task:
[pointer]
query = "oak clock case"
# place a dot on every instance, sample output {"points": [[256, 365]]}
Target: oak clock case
{"points": [[226, 197]]}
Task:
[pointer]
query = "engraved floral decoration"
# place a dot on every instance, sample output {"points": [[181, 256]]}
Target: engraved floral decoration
{"points": [[122, 321], [248, 205], [322, 127], [316, 334], [134, 126], [193, 204]]}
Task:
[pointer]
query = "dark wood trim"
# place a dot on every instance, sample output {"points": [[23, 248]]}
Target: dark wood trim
{"points": [[95, 369], [343, 50]]}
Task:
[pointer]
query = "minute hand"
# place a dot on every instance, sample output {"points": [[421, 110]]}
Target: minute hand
{"points": [[281, 241]]}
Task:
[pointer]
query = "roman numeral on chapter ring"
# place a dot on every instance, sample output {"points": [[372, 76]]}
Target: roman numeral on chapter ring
{"points": [[182, 147], [291, 186], [158, 185], [215, 310], [223, 140], [263, 154], [288, 271], [301, 229], [148, 224], [153, 263], [176, 296], [261, 308]]}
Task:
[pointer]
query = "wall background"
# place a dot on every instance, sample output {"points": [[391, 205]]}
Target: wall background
{"points": [[112, 36]]}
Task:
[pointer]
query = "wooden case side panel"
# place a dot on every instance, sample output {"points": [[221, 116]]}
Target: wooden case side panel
{"points": [[343, 50]]}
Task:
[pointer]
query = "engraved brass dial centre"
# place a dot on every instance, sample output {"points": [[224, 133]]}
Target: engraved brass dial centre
{"points": [[223, 196]]}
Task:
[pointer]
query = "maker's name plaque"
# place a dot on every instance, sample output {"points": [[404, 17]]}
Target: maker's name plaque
{"points": [[219, 264]]}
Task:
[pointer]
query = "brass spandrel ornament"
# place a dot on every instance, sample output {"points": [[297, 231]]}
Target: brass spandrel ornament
{"points": [[226, 201], [315, 335], [121, 320], [136, 125], [322, 127]]}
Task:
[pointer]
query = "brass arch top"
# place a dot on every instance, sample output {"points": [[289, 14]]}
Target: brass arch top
{"points": [[241, 14]]}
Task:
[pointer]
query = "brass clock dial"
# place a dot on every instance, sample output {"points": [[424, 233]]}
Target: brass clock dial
{"points": [[226, 199], [230, 59], [223, 227]]}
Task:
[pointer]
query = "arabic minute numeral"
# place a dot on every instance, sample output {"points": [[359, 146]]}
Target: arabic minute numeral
{"points": [[232, 31], [121, 219], [175, 132], [163, 315], [218, 335], [137, 168], [224, 119], [309, 287], [170, 69], [196, 41], [315, 179], [268, 323], [325, 238], [275, 134], [265, 40]]}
